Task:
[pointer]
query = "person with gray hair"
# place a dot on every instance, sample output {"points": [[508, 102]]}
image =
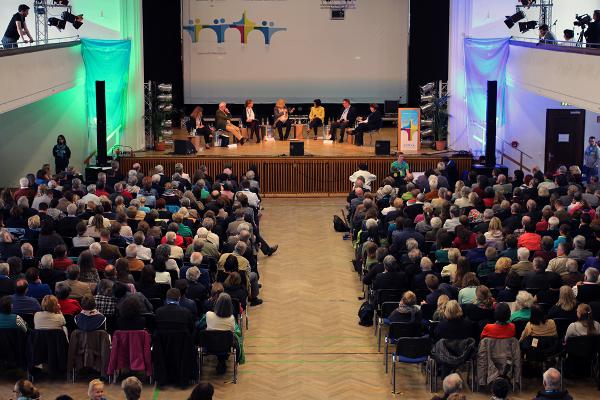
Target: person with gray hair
{"points": [[176, 251], [91, 195], [553, 387], [589, 289], [523, 266], [381, 255], [7, 285], [452, 383], [390, 278], [142, 252], [244, 268], [579, 252]]}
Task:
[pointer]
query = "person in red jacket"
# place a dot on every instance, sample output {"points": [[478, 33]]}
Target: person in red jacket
{"points": [[67, 306], [501, 329], [61, 261]]}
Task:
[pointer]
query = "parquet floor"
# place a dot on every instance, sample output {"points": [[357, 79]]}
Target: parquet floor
{"points": [[304, 341]]}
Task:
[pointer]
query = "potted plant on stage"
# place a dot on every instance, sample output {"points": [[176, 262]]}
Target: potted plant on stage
{"points": [[441, 123]]}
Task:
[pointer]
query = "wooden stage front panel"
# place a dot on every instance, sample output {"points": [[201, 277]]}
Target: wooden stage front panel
{"points": [[292, 176]]}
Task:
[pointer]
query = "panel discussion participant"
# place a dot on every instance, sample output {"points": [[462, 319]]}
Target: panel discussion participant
{"points": [[371, 123], [201, 129], [592, 35], [17, 28], [316, 116], [251, 122], [346, 119], [223, 122], [281, 115]]}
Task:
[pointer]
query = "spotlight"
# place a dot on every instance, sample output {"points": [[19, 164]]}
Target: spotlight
{"points": [[427, 107], [59, 23], [426, 122], [527, 26], [527, 3], [61, 2], [427, 88], [428, 98], [165, 97], [165, 108], [510, 21], [427, 132], [165, 87], [76, 20]]}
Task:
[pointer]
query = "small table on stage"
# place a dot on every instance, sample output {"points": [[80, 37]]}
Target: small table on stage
{"points": [[298, 131]]}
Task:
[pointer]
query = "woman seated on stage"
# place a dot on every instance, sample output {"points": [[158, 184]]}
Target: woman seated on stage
{"points": [[281, 116], [251, 122], [197, 124], [371, 123], [316, 117]]}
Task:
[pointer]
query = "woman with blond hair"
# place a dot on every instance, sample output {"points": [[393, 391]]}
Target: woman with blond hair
{"points": [[250, 121], [497, 279], [408, 310], [50, 317], [454, 325], [566, 306], [442, 301], [197, 126], [450, 269], [281, 115], [522, 312], [494, 235]]}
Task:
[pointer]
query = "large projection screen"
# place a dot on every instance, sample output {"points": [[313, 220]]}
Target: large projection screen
{"points": [[235, 49]]}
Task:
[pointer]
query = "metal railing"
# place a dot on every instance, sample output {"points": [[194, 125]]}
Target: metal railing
{"points": [[562, 44], [504, 156], [26, 45]]}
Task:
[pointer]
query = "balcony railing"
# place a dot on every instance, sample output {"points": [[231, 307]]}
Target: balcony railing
{"points": [[24, 47], [558, 45]]}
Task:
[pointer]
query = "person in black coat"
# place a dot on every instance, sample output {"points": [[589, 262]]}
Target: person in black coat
{"points": [[61, 153], [389, 279], [345, 120], [172, 316], [454, 325], [539, 278], [233, 287], [371, 123], [7, 285]]}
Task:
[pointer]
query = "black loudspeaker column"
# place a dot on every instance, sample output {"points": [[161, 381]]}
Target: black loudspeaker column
{"points": [[490, 123], [101, 158], [296, 149], [382, 147], [183, 147]]}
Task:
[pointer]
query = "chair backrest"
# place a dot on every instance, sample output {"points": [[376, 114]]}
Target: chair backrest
{"points": [[76, 251], [28, 318], [413, 347], [71, 325], [405, 329], [236, 307], [427, 310], [386, 295], [156, 302], [13, 344], [583, 347], [519, 327], [216, 341], [561, 326], [387, 308]]}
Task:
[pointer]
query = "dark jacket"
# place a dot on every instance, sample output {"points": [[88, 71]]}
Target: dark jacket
{"points": [[453, 329], [49, 346], [173, 317], [553, 395], [89, 350], [351, 116], [173, 357], [389, 280]]}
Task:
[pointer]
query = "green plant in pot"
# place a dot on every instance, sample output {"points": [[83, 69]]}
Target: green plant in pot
{"points": [[440, 123]]}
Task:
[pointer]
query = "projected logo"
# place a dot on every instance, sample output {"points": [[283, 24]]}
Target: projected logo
{"points": [[244, 26]]}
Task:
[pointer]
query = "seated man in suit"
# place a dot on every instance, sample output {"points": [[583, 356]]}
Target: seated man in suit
{"points": [[371, 123], [223, 123], [346, 120], [172, 316]]}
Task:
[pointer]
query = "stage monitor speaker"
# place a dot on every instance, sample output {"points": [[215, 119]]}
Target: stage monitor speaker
{"points": [[296, 149], [183, 147], [382, 147], [101, 158], [490, 123]]}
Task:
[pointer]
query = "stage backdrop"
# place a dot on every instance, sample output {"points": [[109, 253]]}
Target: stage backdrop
{"points": [[266, 49]]}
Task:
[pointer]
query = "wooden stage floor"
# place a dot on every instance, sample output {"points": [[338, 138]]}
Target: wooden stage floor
{"points": [[304, 341]]}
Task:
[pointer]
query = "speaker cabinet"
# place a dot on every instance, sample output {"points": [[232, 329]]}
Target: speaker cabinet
{"points": [[101, 158], [382, 147], [184, 147], [296, 149]]}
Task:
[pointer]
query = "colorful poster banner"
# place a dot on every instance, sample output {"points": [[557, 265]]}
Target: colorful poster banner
{"points": [[409, 130]]}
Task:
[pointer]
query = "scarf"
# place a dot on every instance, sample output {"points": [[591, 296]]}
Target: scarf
{"points": [[61, 150]]}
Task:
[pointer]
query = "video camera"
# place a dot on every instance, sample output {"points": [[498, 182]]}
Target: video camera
{"points": [[582, 20]]}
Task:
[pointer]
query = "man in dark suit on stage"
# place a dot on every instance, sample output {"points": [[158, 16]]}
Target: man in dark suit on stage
{"points": [[346, 120], [371, 123]]}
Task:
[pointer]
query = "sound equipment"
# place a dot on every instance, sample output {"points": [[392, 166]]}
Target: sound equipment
{"points": [[183, 147], [490, 123], [296, 149], [382, 147], [101, 158]]}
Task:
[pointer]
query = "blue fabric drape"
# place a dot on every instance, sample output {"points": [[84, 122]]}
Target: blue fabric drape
{"points": [[106, 60], [485, 60]]}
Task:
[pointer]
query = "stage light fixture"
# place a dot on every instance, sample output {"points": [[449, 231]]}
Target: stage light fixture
{"points": [[61, 2], [167, 108], [527, 26], [425, 89], [427, 107], [427, 99], [75, 20], [165, 97], [59, 23], [165, 87], [511, 20], [426, 123], [427, 132]]}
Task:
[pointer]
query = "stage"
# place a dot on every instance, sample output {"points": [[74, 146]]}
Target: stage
{"points": [[322, 171]]}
